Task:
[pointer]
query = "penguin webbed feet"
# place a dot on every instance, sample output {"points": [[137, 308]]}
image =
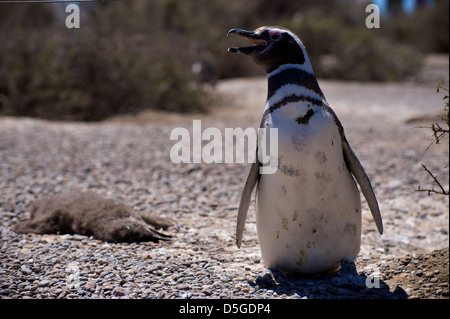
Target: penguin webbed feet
{"points": [[347, 276], [271, 277], [348, 268]]}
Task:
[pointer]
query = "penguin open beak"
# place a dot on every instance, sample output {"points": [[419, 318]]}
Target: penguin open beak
{"points": [[259, 43]]}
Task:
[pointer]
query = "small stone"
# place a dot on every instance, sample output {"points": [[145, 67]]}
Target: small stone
{"points": [[107, 286], [118, 291], [25, 269], [433, 280], [406, 260], [44, 283], [429, 274], [207, 292], [157, 286], [183, 287], [5, 292], [62, 294], [103, 262], [90, 284], [394, 184]]}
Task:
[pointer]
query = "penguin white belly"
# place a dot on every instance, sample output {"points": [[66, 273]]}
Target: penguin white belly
{"points": [[309, 211]]}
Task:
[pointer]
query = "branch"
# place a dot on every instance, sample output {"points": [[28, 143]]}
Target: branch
{"points": [[442, 191]]}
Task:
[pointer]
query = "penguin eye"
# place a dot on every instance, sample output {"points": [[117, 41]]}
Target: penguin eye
{"points": [[274, 36]]}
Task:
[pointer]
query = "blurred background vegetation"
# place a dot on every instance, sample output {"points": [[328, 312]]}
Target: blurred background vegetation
{"points": [[135, 54]]}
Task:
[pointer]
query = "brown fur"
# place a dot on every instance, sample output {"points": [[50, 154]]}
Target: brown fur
{"points": [[87, 213]]}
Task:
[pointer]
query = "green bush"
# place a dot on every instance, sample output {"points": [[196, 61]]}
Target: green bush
{"points": [[347, 50], [361, 56], [319, 33], [427, 30], [93, 73]]}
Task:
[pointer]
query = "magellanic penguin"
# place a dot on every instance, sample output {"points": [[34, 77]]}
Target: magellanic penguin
{"points": [[308, 213]]}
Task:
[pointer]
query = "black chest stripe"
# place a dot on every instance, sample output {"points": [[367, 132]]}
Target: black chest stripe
{"points": [[293, 76], [291, 99]]}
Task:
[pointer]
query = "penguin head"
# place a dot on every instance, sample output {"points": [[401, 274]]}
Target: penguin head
{"points": [[273, 47]]}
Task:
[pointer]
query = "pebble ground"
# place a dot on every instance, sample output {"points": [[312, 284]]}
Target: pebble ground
{"points": [[128, 159]]}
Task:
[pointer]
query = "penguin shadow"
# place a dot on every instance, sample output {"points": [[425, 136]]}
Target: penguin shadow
{"points": [[344, 283]]}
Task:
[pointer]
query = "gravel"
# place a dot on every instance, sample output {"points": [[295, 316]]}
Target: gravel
{"points": [[128, 159]]}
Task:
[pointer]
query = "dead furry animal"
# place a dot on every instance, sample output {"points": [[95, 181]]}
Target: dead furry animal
{"points": [[89, 214]]}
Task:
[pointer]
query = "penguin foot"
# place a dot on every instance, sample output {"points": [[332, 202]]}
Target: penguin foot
{"points": [[347, 276], [348, 268], [278, 276], [271, 277]]}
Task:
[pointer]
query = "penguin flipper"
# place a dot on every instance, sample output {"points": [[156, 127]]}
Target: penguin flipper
{"points": [[252, 179], [361, 177]]}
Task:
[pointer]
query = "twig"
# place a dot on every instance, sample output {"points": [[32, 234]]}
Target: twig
{"points": [[442, 191]]}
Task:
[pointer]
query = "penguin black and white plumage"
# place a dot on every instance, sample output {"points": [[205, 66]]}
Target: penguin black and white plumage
{"points": [[308, 213]]}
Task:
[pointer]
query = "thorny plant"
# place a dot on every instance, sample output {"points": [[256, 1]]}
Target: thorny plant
{"points": [[439, 133]]}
